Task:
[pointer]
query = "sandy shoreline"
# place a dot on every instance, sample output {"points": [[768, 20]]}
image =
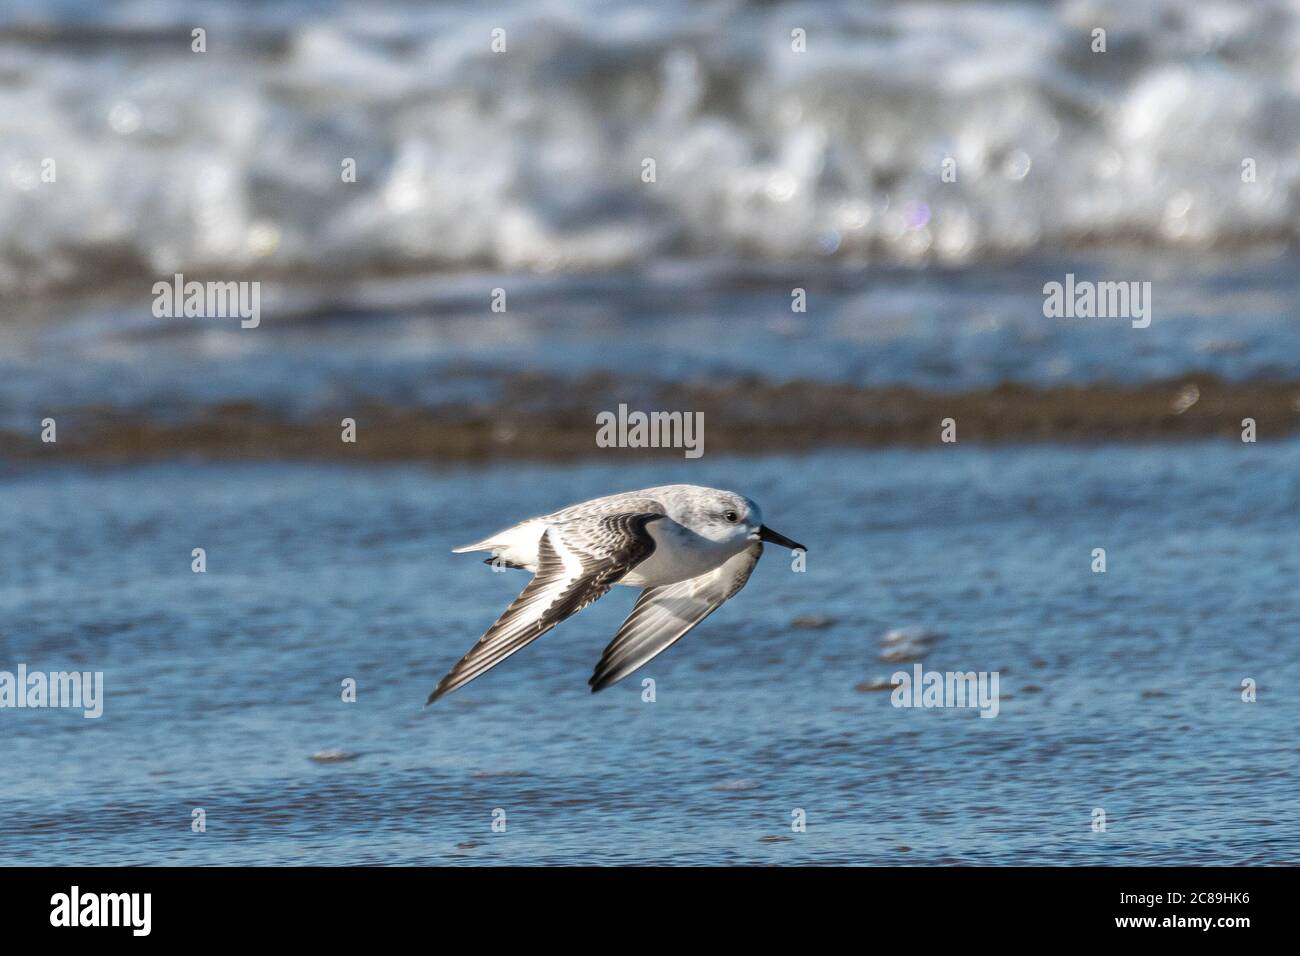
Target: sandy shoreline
{"points": [[545, 418]]}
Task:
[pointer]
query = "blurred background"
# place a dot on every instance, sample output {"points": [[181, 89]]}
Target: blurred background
{"points": [[1173, 157], [522, 170]]}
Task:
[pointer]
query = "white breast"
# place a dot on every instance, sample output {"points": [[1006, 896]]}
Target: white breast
{"points": [[679, 554]]}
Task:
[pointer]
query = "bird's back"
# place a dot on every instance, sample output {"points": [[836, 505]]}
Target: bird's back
{"points": [[517, 545], [663, 498]]}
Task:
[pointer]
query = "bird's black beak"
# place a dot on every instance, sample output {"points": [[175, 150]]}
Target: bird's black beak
{"points": [[767, 534]]}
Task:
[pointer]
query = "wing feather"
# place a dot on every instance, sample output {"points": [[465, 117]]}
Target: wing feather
{"points": [[663, 615], [578, 561]]}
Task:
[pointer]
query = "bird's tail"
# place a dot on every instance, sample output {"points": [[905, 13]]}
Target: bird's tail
{"points": [[522, 536], [487, 544]]}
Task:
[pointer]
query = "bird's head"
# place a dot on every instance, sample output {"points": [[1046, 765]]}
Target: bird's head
{"points": [[730, 518]]}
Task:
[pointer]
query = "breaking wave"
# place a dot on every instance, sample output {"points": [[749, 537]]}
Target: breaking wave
{"points": [[231, 161]]}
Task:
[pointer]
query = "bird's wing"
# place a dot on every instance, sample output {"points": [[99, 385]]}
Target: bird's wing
{"points": [[578, 560], [662, 615]]}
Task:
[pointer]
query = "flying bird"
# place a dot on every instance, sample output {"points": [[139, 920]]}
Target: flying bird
{"points": [[690, 548]]}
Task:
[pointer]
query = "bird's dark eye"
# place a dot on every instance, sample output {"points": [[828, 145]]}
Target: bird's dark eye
{"points": [[730, 515]]}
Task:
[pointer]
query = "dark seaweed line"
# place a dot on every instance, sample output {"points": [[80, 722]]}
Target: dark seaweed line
{"points": [[552, 419]]}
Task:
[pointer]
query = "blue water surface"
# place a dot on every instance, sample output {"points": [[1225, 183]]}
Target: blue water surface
{"points": [[1119, 691]]}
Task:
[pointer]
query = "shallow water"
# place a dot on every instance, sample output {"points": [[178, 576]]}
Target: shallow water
{"points": [[430, 342], [1118, 691]]}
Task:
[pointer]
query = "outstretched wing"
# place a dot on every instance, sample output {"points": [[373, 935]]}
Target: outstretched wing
{"points": [[577, 561], [662, 615]]}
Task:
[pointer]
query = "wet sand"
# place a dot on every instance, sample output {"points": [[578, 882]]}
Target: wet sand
{"points": [[552, 418]]}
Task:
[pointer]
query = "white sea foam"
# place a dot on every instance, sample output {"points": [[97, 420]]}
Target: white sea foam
{"points": [[228, 162]]}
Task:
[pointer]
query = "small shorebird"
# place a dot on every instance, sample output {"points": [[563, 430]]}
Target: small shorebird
{"points": [[689, 547]]}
